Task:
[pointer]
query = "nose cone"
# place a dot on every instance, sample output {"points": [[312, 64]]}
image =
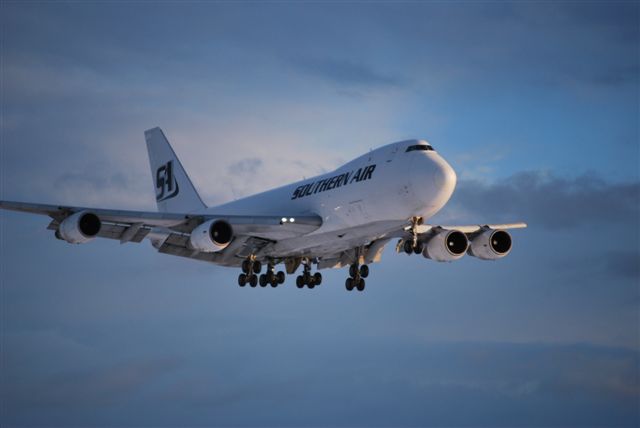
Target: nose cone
{"points": [[444, 178], [433, 183]]}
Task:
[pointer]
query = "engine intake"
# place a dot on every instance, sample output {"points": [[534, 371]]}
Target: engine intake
{"points": [[446, 246], [79, 228], [211, 236], [491, 245]]}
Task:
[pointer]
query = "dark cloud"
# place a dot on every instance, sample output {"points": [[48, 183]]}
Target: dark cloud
{"points": [[624, 264], [554, 202], [92, 387], [244, 167], [346, 72], [393, 383]]}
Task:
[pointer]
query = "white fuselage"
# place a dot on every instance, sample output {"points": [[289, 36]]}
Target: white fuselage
{"points": [[359, 201]]}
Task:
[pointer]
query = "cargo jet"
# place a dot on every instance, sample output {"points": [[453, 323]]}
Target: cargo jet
{"points": [[342, 218]]}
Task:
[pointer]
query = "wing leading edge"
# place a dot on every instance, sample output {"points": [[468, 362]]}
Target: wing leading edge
{"points": [[134, 226]]}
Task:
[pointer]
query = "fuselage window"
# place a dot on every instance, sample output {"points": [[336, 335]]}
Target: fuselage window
{"points": [[424, 147]]}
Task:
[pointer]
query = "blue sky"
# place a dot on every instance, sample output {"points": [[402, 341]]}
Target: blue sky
{"points": [[534, 104]]}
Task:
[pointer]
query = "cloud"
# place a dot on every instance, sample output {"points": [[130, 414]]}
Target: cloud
{"points": [[551, 201], [97, 386], [348, 73]]}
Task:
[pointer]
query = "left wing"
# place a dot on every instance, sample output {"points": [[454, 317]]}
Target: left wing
{"points": [[169, 232]]}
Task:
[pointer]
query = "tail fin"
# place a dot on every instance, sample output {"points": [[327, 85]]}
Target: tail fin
{"points": [[174, 190]]}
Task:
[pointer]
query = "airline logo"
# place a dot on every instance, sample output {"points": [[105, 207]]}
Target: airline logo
{"points": [[344, 179], [166, 184]]}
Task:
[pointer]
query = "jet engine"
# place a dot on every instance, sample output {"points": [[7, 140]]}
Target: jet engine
{"points": [[490, 245], [211, 236], [79, 228], [446, 246]]}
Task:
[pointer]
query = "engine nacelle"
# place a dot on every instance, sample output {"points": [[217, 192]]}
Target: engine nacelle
{"points": [[211, 236], [491, 245], [446, 246], [79, 228]]}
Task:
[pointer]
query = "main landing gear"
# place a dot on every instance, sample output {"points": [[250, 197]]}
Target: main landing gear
{"points": [[250, 270], [307, 279], [271, 277], [357, 274]]}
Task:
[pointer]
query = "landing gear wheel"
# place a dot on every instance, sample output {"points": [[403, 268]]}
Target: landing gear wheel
{"points": [[280, 277], [311, 284], [349, 284], [418, 248], [246, 266], [253, 280], [360, 285], [364, 271], [306, 278], [317, 278], [408, 247], [257, 266], [353, 270], [299, 282], [242, 280], [263, 280]]}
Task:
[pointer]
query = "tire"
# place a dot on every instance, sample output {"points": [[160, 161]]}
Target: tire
{"points": [[364, 271], [263, 280], [311, 284], [242, 280], [280, 277], [317, 278], [274, 282], [253, 280], [408, 247], [246, 266], [418, 248], [360, 285], [349, 284], [257, 266], [306, 278], [299, 282], [353, 270]]}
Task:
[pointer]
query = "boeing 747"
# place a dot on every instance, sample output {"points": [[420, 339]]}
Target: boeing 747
{"points": [[339, 219]]}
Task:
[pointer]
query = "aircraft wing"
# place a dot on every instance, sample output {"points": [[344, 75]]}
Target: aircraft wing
{"points": [[134, 226], [471, 229]]}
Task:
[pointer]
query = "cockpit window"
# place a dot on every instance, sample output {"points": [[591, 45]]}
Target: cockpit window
{"points": [[424, 147]]}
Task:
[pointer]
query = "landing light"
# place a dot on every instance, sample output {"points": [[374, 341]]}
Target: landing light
{"points": [[291, 220], [283, 220]]}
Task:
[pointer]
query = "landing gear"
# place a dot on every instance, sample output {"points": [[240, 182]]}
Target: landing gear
{"points": [[253, 281], [414, 246], [272, 278], [250, 270], [248, 273], [307, 279], [242, 279], [357, 274]]}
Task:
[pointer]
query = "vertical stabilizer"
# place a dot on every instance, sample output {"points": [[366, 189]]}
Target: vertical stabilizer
{"points": [[174, 190]]}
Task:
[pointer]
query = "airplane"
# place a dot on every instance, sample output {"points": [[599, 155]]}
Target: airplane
{"points": [[342, 218]]}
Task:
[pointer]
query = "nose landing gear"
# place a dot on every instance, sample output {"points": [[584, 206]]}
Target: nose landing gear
{"points": [[414, 246]]}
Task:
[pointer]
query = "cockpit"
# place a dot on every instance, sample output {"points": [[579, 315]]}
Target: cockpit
{"points": [[423, 147]]}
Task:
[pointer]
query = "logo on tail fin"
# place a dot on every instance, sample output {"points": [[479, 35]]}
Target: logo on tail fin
{"points": [[166, 184]]}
